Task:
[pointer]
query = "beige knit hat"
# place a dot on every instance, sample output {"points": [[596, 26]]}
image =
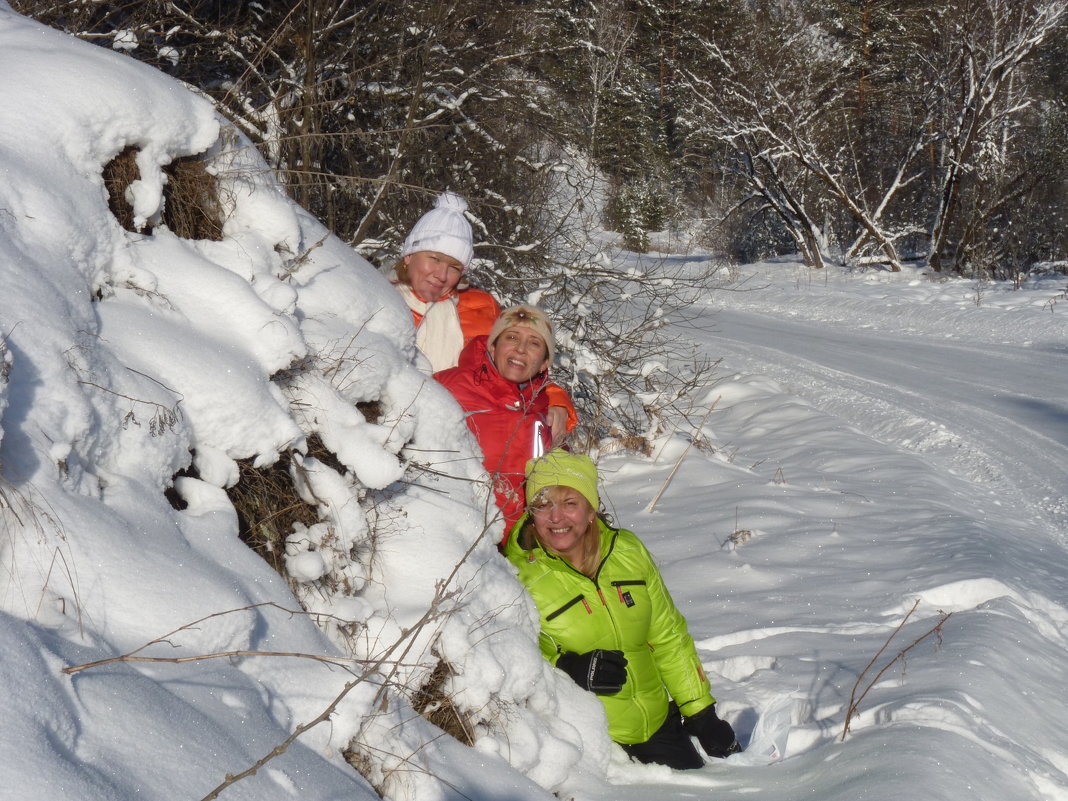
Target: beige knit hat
{"points": [[528, 317], [443, 229]]}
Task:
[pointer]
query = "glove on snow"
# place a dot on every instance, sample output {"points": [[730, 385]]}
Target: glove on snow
{"points": [[716, 736], [602, 672]]}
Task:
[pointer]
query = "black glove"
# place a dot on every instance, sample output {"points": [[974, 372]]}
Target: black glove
{"points": [[601, 672], [716, 736]]}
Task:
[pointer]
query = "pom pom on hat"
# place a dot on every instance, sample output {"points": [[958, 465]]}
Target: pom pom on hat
{"points": [[443, 229], [528, 317], [558, 468]]}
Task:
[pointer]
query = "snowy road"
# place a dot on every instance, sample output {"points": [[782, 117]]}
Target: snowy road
{"points": [[989, 412], [880, 443]]}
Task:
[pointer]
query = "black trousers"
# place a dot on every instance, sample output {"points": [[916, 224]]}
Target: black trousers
{"points": [[670, 745]]}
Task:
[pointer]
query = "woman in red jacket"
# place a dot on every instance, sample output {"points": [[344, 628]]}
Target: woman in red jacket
{"points": [[448, 313], [500, 383]]}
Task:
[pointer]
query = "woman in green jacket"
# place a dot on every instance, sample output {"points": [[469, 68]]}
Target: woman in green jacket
{"points": [[608, 621]]}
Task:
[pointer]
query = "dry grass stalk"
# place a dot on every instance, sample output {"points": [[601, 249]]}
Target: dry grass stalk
{"points": [[118, 174], [369, 668], [678, 462], [854, 698], [268, 504], [432, 703], [192, 209], [135, 655], [738, 537], [371, 410]]}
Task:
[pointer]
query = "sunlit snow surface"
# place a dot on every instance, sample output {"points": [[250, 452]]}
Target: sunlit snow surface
{"points": [[877, 440]]}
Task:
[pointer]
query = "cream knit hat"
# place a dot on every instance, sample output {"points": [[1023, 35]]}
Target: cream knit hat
{"points": [[529, 317], [443, 229]]}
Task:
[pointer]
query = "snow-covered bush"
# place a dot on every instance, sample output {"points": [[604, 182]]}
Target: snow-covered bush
{"points": [[146, 371]]}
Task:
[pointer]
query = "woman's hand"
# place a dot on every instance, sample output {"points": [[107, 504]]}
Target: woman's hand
{"points": [[558, 424], [716, 736], [602, 672]]}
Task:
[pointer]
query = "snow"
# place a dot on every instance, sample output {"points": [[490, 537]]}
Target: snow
{"points": [[880, 448], [878, 439]]}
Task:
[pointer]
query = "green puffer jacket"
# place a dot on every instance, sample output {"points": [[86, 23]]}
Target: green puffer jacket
{"points": [[624, 607]]}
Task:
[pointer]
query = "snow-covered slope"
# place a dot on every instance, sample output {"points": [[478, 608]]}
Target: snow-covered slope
{"points": [[142, 371], [878, 441]]}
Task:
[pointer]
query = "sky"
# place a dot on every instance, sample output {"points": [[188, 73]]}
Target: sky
{"points": [[877, 451]]}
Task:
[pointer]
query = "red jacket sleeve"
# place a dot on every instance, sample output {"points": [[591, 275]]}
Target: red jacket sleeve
{"points": [[558, 396]]}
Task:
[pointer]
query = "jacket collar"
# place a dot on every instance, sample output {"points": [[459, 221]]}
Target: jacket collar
{"points": [[538, 553]]}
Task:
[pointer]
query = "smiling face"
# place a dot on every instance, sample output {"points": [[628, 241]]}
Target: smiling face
{"points": [[432, 275], [519, 353], [562, 518]]}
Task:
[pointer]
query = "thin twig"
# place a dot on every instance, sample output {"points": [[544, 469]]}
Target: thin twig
{"points": [[854, 699], [177, 660], [132, 656], [407, 639], [678, 462]]}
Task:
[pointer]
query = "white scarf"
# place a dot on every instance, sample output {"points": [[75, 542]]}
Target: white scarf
{"points": [[439, 335]]}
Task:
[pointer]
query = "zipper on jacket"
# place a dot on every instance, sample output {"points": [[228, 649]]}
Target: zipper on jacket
{"points": [[568, 605], [619, 585], [596, 584]]}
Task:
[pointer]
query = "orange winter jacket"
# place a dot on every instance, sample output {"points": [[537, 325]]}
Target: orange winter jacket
{"points": [[478, 311]]}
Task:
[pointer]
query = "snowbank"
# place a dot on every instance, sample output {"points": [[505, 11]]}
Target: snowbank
{"points": [[145, 375]]}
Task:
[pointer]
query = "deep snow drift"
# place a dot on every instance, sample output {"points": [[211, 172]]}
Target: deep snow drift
{"points": [[875, 440]]}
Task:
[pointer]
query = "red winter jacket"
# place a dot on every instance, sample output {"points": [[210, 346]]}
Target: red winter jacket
{"points": [[508, 420], [478, 311]]}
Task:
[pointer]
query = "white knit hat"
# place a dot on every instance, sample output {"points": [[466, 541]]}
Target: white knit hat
{"points": [[443, 229]]}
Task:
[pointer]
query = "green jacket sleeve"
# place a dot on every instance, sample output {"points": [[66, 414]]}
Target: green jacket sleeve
{"points": [[673, 649]]}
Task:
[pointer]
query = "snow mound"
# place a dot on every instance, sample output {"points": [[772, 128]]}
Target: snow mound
{"points": [[144, 376]]}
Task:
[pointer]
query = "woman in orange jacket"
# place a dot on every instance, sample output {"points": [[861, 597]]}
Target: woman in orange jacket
{"points": [[449, 313]]}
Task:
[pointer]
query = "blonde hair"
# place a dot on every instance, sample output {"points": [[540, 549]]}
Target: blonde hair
{"points": [[591, 540]]}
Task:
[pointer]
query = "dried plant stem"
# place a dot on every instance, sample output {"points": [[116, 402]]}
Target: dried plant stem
{"points": [[282, 747], [854, 697], [678, 462], [177, 660], [132, 656], [383, 665], [374, 666]]}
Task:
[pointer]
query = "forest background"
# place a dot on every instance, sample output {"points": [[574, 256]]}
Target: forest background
{"points": [[849, 131]]}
